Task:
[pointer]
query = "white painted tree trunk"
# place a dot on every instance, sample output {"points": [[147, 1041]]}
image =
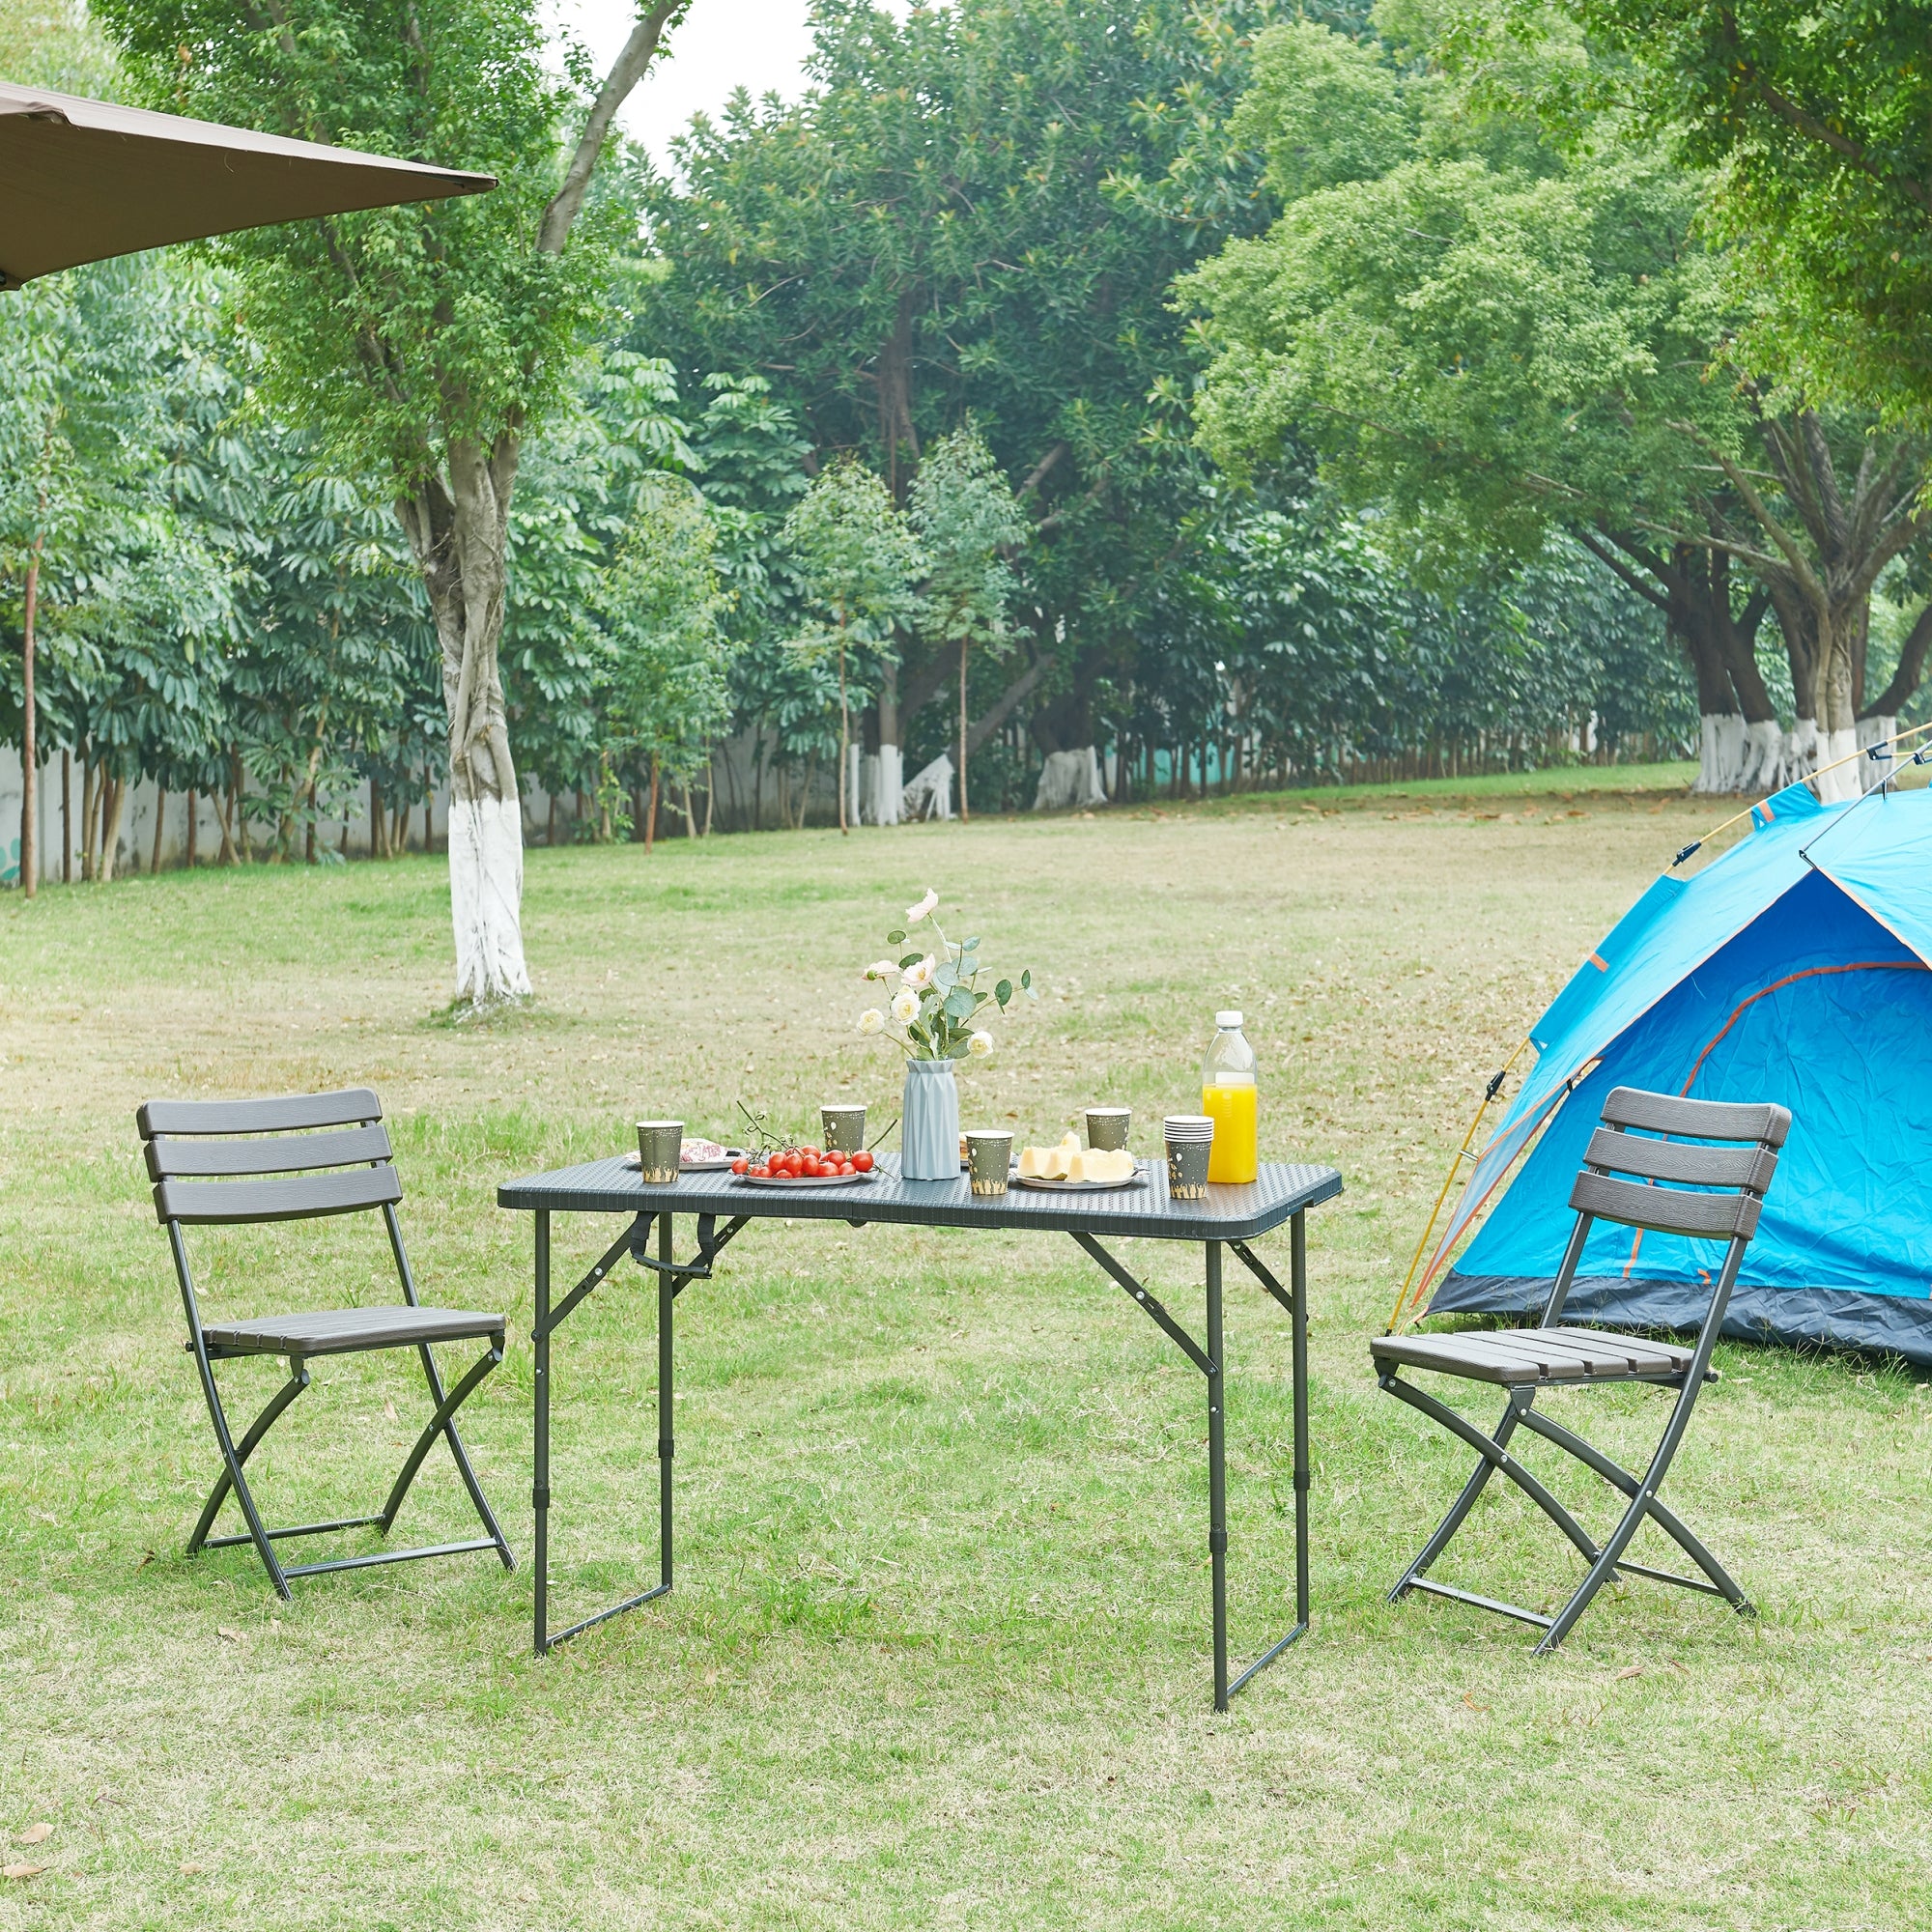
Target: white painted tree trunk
{"points": [[1720, 753], [1839, 785], [882, 786], [486, 893], [1873, 772], [928, 792], [1763, 758], [459, 535], [1071, 781]]}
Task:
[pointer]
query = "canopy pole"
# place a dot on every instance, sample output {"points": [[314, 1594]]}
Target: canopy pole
{"points": [[1489, 1092]]}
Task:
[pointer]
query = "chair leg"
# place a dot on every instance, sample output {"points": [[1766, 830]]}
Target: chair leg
{"points": [[1665, 1519], [1495, 1457], [440, 1424], [233, 1459], [1640, 1506]]}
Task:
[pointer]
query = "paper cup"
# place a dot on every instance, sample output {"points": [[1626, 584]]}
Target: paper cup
{"points": [[988, 1158], [843, 1128], [1189, 1139], [659, 1145], [1107, 1126]]}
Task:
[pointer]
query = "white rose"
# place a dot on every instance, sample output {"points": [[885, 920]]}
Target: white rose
{"points": [[929, 903], [880, 969], [871, 1020], [979, 1044], [919, 975], [905, 1006]]}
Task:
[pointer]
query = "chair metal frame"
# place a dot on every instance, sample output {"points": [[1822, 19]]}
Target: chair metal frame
{"points": [[247, 1162], [1683, 1186]]}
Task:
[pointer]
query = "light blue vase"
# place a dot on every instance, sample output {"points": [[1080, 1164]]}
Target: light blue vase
{"points": [[929, 1121]]}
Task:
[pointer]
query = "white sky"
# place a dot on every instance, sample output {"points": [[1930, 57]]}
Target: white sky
{"points": [[759, 45]]}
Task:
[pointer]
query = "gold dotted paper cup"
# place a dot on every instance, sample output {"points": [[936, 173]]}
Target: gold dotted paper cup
{"points": [[1107, 1126], [988, 1158], [843, 1128], [1189, 1139], [659, 1145]]}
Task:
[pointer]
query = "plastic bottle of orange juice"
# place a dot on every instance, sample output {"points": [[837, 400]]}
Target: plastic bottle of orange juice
{"points": [[1228, 1096]]}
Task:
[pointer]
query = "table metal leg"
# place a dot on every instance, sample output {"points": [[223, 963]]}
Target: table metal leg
{"points": [[1208, 1361], [670, 1278], [1299, 1327], [668, 1286], [1217, 1477], [540, 1486]]}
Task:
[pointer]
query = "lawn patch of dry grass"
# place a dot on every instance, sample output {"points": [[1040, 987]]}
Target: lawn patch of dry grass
{"points": [[938, 1651]]}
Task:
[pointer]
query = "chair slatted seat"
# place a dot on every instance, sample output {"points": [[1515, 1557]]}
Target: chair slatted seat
{"points": [[1697, 1168], [304, 1156]]}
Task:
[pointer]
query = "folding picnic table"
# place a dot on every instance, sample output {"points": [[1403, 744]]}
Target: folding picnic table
{"points": [[1231, 1217]]}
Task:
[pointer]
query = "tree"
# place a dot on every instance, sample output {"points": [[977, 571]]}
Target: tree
{"points": [[425, 344], [666, 661], [1494, 336], [967, 525], [977, 209], [1818, 121], [858, 565]]}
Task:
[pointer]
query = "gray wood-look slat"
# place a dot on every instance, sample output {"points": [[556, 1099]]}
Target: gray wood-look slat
{"points": [[217, 1202], [1280, 1191], [1696, 1163], [1518, 1355], [341, 1331], [280, 1154], [1699, 1120], [1669, 1211], [285, 1114]]}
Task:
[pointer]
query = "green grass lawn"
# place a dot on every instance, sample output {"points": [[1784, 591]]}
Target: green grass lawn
{"points": [[938, 1653]]}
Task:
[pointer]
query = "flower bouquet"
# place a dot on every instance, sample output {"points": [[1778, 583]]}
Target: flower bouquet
{"points": [[932, 1018]]}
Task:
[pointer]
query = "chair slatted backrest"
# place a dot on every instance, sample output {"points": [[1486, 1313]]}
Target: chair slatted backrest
{"points": [[1684, 1184], [229, 1162]]}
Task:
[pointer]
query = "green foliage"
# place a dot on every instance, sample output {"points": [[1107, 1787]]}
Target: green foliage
{"points": [[395, 331], [967, 522], [1490, 349], [856, 560], [665, 670], [1818, 121]]}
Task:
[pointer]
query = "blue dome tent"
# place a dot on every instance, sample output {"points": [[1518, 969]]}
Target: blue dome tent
{"points": [[1793, 968]]}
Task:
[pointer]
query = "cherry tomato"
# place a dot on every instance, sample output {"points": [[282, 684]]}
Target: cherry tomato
{"points": [[862, 1162], [845, 1166], [739, 1165]]}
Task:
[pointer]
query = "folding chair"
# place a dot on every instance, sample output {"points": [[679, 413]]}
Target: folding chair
{"points": [[294, 1174], [1684, 1185]]}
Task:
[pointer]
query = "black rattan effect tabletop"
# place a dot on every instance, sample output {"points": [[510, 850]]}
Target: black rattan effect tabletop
{"points": [[1280, 1191]]}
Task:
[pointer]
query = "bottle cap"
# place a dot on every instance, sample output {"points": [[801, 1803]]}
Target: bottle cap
{"points": [[1231, 1019]]}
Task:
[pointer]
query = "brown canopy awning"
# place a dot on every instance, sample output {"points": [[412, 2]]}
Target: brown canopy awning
{"points": [[82, 179]]}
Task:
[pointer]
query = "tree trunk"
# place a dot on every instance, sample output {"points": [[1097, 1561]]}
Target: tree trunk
{"points": [[964, 751], [110, 830], [459, 535], [710, 796], [651, 809], [193, 826], [844, 733], [161, 826], [90, 806], [66, 818], [30, 747]]}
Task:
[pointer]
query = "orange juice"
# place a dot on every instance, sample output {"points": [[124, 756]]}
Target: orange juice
{"points": [[1234, 1155], [1229, 1087]]}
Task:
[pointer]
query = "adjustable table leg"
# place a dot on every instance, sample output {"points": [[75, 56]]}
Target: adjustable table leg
{"points": [[540, 1487], [667, 1432]]}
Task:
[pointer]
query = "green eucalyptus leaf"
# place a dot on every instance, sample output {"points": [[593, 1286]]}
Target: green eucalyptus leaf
{"points": [[910, 959], [896, 938], [1003, 992], [961, 1003], [1026, 978]]}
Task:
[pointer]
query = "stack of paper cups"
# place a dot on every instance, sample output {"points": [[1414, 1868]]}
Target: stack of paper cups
{"points": [[1189, 1138]]}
